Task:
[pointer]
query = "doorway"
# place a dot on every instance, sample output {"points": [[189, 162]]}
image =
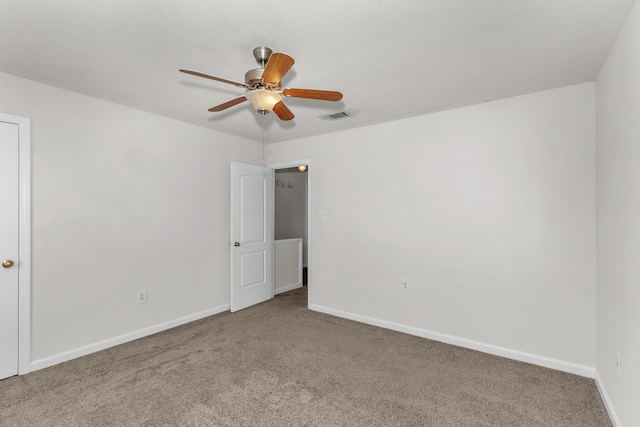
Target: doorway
{"points": [[292, 208]]}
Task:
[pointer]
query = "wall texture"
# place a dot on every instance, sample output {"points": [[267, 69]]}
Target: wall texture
{"points": [[487, 210], [122, 200], [618, 177]]}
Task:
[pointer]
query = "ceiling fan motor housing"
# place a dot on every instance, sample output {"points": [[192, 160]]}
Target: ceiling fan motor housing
{"points": [[253, 77]]}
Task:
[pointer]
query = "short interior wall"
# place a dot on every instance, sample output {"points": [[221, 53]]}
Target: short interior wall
{"points": [[287, 265]]}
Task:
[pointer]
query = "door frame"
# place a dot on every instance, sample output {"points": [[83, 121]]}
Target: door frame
{"points": [[24, 239], [294, 164]]}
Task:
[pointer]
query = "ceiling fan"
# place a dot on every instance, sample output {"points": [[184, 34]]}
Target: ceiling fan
{"points": [[263, 85]]}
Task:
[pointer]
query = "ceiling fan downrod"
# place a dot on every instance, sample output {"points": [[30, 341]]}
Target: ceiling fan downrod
{"points": [[262, 55]]}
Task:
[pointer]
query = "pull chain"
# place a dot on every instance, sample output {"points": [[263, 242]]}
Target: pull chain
{"points": [[264, 134]]}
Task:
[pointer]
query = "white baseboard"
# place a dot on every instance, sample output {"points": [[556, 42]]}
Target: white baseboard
{"points": [[607, 402], [121, 339], [547, 362], [288, 288]]}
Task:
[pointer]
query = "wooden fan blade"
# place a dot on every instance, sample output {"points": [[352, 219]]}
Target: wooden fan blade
{"points": [[228, 104], [282, 111], [323, 95], [277, 67], [209, 76]]}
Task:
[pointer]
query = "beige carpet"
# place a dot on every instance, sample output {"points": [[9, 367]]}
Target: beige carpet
{"points": [[279, 364]]}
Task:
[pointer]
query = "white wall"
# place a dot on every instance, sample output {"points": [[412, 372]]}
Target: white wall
{"points": [[122, 200], [618, 177], [488, 210], [290, 202], [290, 205]]}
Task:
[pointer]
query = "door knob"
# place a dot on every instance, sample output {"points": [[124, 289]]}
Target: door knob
{"points": [[7, 263], [236, 244]]}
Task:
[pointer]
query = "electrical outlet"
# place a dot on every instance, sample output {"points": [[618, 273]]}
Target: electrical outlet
{"points": [[405, 285], [618, 364], [142, 296]]}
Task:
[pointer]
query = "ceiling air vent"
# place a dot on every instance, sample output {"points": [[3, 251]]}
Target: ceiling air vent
{"points": [[336, 116]]}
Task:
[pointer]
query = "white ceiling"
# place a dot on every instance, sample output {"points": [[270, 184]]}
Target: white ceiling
{"points": [[390, 58]]}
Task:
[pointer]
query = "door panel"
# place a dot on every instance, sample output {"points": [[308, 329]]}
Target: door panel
{"points": [[252, 209], [252, 195], [252, 268], [9, 285]]}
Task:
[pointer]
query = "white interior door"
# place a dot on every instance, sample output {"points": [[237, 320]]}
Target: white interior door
{"points": [[9, 284], [252, 198]]}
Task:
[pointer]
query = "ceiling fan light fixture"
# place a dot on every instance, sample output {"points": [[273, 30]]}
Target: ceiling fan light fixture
{"points": [[263, 100]]}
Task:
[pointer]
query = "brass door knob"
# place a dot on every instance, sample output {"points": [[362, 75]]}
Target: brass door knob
{"points": [[7, 263]]}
